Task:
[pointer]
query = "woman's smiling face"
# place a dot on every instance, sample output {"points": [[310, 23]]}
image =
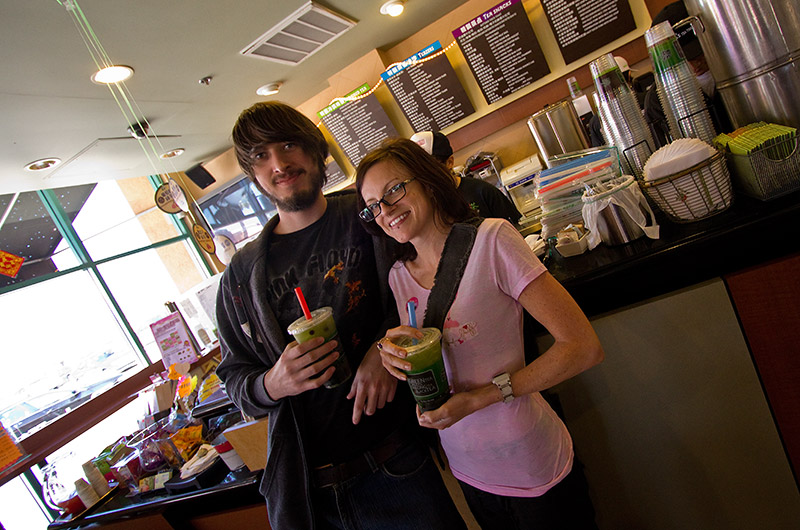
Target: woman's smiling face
{"points": [[409, 217]]}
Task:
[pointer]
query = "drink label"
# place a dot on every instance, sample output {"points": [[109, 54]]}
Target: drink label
{"points": [[666, 54], [423, 384]]}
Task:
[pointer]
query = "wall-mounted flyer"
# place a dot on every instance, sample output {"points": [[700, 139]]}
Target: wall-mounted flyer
{"points": [[581, 27], [358, 126], [427, 90], [501, 50], [174, 340]]}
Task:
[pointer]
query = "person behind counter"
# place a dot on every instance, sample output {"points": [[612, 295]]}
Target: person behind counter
{"points": [[510, 452], [329, 459], [482, 197]]}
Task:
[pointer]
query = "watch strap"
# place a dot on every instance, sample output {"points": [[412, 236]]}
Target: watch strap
{"points": [[503, 382]]}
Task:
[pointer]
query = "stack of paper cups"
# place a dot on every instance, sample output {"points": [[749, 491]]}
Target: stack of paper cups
{"points": [[96, 479], [86, 493]]}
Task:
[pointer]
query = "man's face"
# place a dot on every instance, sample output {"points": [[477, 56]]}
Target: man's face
{"points": [[288, 175]]}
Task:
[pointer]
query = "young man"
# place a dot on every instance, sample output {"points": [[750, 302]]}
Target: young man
{"points": [[342, 457], [482, 197]]}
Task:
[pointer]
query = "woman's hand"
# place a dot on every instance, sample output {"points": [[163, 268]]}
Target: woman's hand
{"points": [[392, 355], [459, 406]]}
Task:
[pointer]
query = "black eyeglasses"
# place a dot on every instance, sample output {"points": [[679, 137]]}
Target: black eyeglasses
{"points": [[390, 198]]}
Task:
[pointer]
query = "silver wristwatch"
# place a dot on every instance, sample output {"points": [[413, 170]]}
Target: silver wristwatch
{"points": [[503, 382]]}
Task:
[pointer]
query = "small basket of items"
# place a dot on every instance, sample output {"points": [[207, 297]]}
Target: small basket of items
{"points": [[688, 180], [764, 159]]}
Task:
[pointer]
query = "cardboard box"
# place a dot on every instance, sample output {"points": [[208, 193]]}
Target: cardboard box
{"points": [[249, 440]]}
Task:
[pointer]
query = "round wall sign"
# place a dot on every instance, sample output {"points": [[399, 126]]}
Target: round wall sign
{"points": [[164, 199], [203, 238], [178, 195]]}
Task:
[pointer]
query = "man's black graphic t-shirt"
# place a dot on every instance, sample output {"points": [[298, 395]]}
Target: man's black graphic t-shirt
{"points": [[333, 262]]}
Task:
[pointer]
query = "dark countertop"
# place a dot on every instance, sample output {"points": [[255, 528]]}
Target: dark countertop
{"points": [[748, 233], [239, 488]]}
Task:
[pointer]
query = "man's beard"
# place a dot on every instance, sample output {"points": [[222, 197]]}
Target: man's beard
{"points": [[302, 199]]}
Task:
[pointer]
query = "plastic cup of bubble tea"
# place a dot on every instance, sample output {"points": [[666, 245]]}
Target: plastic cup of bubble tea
{"points": [[427, 377], [322, 324]]}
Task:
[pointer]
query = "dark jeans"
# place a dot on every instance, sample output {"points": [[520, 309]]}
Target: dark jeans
{"points": [[565, 506], [406, 492]]}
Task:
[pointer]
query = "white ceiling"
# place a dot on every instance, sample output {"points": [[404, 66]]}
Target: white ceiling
{"points": [[50, 108]]}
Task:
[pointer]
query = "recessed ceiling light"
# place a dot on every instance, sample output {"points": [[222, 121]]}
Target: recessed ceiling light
{"points": [[42, 164], [393, 8], [172, 153], [269, 89], [112, 74]]}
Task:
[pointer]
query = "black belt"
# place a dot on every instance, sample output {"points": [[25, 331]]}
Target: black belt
{"points": [[332, 474]]}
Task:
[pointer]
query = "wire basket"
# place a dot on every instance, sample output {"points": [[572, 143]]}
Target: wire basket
{"points": [[768, 172], [695, 193]]}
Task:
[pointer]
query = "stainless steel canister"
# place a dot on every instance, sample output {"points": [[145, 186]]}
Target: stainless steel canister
{"points": [[752, 48], [557, 130]]}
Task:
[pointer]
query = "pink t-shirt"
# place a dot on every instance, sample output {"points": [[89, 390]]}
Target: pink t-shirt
{"points": [[520, 449]]}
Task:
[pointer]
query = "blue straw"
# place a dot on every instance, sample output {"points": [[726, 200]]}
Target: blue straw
{"points": [[412, 316]]}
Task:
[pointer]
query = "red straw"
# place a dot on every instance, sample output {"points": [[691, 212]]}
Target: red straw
{"points": [[303, 303]]}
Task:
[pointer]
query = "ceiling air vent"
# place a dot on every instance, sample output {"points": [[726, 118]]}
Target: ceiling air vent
{"points": [[300, 35]]}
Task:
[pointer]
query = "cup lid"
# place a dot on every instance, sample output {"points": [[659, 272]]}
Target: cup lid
{"points": [[429, 336], [302, 323]]}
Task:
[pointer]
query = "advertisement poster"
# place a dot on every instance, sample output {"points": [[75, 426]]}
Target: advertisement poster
{"points": [[173, 340]]}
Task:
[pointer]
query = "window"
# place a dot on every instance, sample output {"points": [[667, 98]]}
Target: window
{"points": [[238, 211], [100, 262]]}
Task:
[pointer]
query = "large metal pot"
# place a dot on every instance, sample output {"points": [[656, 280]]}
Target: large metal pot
{"points": [[557, 129], [752, 48]]}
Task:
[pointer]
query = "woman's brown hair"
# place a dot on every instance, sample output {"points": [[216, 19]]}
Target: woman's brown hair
{"points": [[448, 205]]}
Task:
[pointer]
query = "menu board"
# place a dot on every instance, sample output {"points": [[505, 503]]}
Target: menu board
{"points": [[501, 50], [428, 91], [335, 175], [358, 126], [581, 27]]}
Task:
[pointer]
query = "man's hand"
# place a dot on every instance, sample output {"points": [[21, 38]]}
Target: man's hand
{"points": [[292, 374], [372, 387]]}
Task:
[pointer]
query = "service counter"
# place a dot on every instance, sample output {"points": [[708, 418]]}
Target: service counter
{"points": [[678, 379], [233, 503], [692, 420], [749, 233]]}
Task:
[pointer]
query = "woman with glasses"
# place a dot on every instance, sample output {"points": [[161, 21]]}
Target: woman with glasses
{"points": [[510, 452]]}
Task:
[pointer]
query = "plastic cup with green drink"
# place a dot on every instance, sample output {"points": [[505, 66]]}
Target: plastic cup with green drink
{"points": [[427, 377], [320, 323]]}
